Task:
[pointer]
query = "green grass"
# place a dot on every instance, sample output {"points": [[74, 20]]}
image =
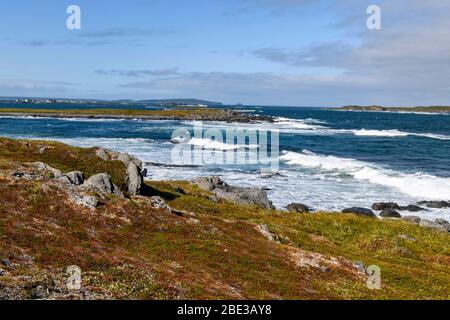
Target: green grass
{"points": [[61, 157]]}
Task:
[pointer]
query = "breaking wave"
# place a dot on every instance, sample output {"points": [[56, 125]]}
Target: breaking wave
{"points": [[416, 185]]}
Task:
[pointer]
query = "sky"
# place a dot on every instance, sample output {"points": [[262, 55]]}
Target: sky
{"points": [[256, 52]]}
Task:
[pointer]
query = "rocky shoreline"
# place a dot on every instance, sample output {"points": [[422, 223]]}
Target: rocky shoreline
{"points": [[90, 192], [390, 210]]}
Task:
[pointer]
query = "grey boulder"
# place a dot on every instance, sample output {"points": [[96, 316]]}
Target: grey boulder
{"points": [[102, 185], [75, 177], [134, 179], [102, 154], [433, 225], [390, 213], [245, 196]]}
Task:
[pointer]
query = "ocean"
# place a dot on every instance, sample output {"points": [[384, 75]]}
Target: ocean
{"points": [[329, 160]]}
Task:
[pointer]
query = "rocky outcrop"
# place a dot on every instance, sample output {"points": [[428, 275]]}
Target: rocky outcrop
{"points": [[102, 185], [134, 179], [134, 171], [390, 213], [264, 230], [45, 168], [298, 208], [245, 196], [83, 200], [360, 211], [75, 178]]}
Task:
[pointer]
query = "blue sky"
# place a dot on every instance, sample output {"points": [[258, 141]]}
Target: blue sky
{"points": [[271, 52]]}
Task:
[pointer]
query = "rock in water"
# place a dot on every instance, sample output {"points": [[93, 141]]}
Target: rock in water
{"points": [[412, 208], [435, 204], [390, 213], [380, 206], [360, 211], [102, 185], [298, 208], [245, 196]]}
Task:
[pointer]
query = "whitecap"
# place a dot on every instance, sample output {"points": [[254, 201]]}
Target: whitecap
{"points": [[417, 185]]}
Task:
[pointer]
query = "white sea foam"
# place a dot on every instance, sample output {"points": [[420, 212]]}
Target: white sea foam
{"points": [[380, 133], [397, 133], [417, 185], [218, 145], [302, 124]]}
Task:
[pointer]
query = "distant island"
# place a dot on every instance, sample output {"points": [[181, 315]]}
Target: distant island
{"points": [[430, 109]]}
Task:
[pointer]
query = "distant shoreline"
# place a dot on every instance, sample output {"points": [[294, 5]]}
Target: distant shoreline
{"points": [[430, 109], [199, 114]]}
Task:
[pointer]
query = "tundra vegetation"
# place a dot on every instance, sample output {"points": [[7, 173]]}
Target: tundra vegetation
{"points": [[176, 240]]}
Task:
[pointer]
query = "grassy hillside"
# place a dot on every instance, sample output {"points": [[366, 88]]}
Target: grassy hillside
{"points": [[203, 250]]}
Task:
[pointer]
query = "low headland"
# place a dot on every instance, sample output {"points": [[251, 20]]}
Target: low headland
{"points": [[430, 109], [178, 113], [135, 238]]}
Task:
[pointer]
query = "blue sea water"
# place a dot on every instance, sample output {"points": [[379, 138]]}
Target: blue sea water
{"points": [[328, 159]]}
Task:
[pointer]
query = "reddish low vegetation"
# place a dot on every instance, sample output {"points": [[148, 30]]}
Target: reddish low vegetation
{"points": [[202, 249]]}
